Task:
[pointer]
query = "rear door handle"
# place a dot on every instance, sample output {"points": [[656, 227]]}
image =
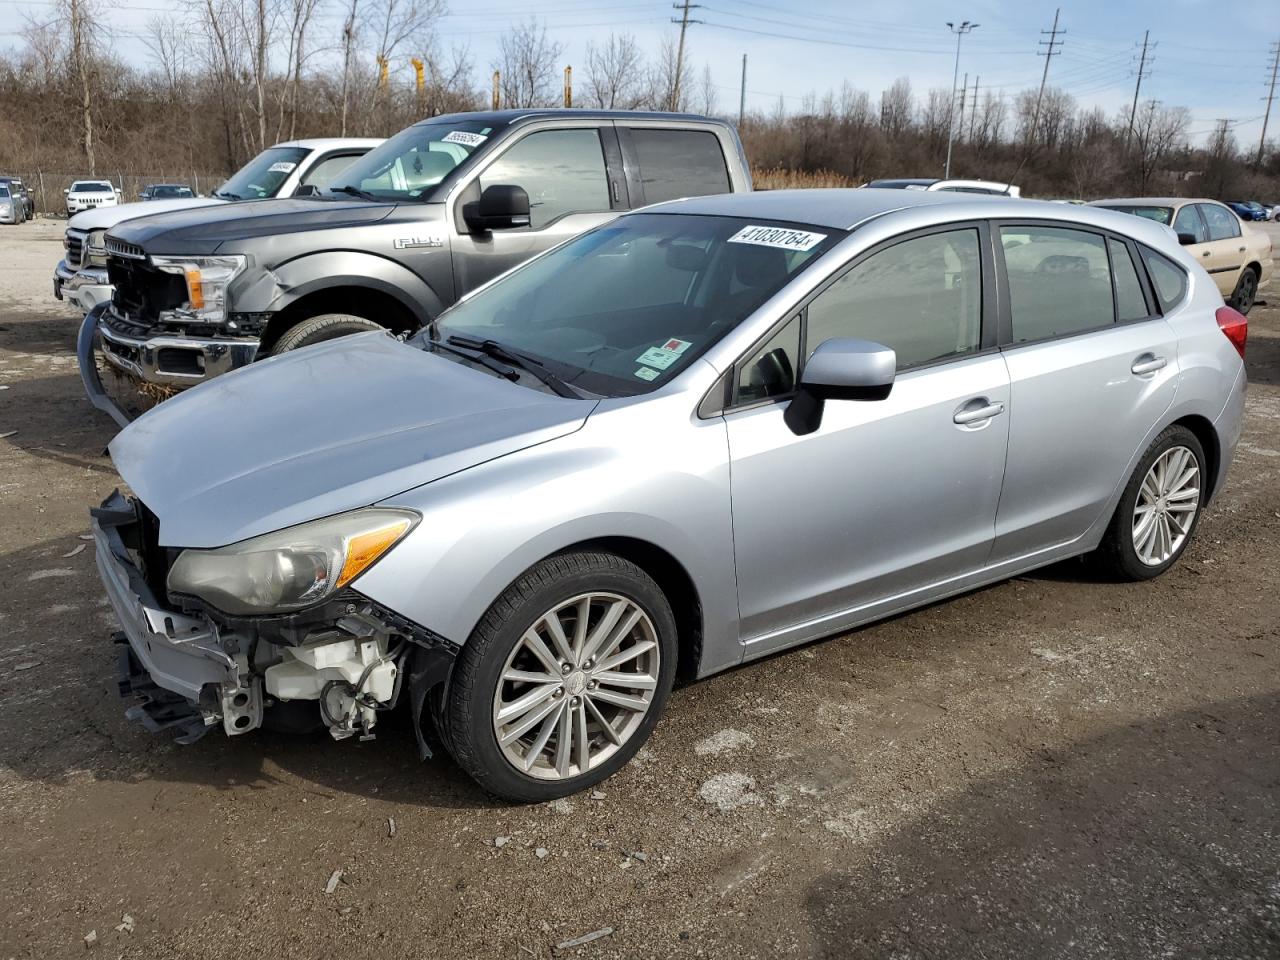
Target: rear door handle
{"points": [[1148, 364], [967, 414]]}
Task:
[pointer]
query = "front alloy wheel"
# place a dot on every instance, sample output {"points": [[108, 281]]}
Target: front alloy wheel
{"points": [[577, 686], [563, 679]]}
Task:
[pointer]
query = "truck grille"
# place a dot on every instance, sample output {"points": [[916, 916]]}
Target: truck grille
{"points": [[141, 290], [120, 248], [75, 249]]}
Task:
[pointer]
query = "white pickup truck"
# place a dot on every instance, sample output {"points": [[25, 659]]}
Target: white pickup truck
{"points": [[284, 170]]}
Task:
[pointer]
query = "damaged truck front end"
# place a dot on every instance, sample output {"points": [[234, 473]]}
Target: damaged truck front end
{"points": [[335, 665]]}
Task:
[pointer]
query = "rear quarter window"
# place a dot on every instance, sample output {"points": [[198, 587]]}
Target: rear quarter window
{"points": [[1168, 279], [679, 163]]}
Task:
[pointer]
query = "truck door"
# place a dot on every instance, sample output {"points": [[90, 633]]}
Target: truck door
{"points": [[572, 173]]}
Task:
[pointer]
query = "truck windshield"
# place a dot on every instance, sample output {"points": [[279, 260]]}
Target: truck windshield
{"points": [[411, 164], [262, 176], [623, 309]]}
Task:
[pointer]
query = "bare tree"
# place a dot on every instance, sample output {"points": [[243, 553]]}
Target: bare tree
{"points": [[1222, 167], [935, 117], [663, 85], [615, 73], [527, 60], [705, 98], [1157, 132], [896, 107]]}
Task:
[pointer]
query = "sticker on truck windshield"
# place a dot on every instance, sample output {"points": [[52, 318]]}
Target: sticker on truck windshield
{"points": [[464, 138], [665, 355], [778, 237], [645, 373], [281, 166]]}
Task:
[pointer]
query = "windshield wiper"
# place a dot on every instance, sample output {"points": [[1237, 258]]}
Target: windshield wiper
{"points": [[225, 195], [496, 350], [506, 372], [354, 191]]}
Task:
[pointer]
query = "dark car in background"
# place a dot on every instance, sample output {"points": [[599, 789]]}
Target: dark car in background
{"points": [[1247, 209], [166, 191], [21, 196]]}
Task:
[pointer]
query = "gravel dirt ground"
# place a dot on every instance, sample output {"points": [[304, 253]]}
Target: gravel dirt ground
{"points": [[1051, 767]]}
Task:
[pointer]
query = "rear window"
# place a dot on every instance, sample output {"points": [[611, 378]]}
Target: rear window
{"points": [[679, 163], [1169, 280]]}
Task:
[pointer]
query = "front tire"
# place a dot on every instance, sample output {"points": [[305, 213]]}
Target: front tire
{"points": [[1246, 291], [1159, 509], [326, 326], [563, 679]]}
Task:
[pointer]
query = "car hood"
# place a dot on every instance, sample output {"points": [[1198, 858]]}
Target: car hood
{"points": [[203, 230], [101, 218], [322, 430]]}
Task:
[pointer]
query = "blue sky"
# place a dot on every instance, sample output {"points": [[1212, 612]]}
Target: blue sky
{"points": [[1211, 56]]}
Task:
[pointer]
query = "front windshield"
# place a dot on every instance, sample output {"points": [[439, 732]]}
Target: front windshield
{"points": [[1158, 214], [167, 192], [412, 164], [4, 191], [261, 177], [90, 186], [626, 307]]}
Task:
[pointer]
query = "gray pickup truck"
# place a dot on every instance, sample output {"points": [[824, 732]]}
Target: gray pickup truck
{"points": [[433, 213]]}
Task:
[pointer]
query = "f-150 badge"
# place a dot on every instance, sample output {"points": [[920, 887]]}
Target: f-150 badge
{"points": [[412, 243]]}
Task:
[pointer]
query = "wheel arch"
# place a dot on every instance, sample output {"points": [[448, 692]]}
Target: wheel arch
{"points": [[1207, 434], [368, 302]]}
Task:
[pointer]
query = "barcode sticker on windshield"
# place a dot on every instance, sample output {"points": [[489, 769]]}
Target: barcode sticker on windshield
{"points": [[778, 237], [281, 166], [644, 373], [464, 138]]}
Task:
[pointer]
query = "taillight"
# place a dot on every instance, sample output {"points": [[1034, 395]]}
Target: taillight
{"points": [[1235, 325]]}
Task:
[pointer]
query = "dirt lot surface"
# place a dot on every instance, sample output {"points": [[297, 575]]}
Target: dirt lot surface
{"points": [[1052, 767]]}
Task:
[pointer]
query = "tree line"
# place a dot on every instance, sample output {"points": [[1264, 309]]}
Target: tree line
{"points": [[227, 78]]}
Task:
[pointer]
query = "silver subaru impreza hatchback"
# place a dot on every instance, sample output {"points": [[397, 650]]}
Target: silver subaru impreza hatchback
{"points": [[694, 436]]}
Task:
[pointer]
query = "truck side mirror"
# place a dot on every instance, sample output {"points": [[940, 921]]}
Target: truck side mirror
{"points": [[500, 207]]}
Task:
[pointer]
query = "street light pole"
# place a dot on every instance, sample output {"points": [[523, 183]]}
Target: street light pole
{"points": [[959, 31]]}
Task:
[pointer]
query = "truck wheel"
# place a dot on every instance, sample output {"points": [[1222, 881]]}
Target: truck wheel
{"points": [[327, 326]]}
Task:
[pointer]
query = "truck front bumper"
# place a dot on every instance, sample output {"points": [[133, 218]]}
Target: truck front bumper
{"points": [[171, 359], [85, 288]]}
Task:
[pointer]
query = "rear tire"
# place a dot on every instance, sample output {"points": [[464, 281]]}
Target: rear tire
{"points": [[579, 691], [326, 326], [1160, 499], [1246, 291]]}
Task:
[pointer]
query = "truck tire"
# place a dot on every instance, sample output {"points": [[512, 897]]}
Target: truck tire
{"points": [[326, 326]]}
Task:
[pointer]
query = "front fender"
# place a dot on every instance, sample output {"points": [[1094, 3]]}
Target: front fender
{"points": [[274, 290]]}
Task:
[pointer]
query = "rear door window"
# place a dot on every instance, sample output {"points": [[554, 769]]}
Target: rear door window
{"points": [[1059, 281], [1223, 224], [679, 163], [1131, 304]]}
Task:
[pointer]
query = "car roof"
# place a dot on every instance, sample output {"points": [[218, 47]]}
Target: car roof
{"points": [[904, 182], [1149, 201], [504, 117], [324, 143], [846, 208]]}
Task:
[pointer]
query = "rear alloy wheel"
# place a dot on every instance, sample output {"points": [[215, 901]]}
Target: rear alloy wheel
{"points": [[326, 326], [563, 679], [1246, 291], [1159, 508]]}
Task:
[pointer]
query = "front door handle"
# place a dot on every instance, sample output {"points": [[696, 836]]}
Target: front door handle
{"points": [[1148, 364], [968, 414], [1205, 254]]}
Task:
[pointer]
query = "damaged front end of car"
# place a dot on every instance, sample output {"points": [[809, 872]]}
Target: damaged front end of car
{"points": [[264, 633]]}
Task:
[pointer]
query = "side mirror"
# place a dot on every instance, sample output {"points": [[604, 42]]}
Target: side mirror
{"points": [[1186, 239], [840, 369], [66, 189], [500, 207]]}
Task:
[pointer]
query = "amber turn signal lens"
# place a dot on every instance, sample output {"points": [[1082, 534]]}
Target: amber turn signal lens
{"points": [[363, 549], [195, 290]]}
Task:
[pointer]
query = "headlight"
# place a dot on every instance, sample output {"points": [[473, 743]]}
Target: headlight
{"points": [[293, 568], [207, 281], [97, 242]]}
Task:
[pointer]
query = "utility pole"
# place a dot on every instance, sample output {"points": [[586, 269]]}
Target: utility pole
{"points": [[1133, 110], [684, 7], [1271, 95], [959, 31], [1051, 50], [973, 111], [742, 95]]}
